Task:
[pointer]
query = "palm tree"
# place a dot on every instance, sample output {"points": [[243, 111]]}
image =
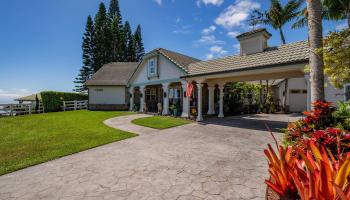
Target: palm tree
{"points": [[314, 9], [332, 10], [277, 16]]}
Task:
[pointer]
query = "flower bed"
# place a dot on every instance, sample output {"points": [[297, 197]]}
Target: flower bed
{"points": [[315, 162]]}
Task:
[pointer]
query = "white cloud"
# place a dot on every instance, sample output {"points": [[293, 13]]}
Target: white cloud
{"points": [[178, 20], [14, 93], [208, 40], [182, 29], [159, 2], [237, 48], [208, 2], [236, 14], [341, 26], [208, 30], [232, 34], [215, 51]]}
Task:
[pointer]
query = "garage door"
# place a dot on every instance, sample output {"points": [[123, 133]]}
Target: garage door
{"points": [[297, 100]]}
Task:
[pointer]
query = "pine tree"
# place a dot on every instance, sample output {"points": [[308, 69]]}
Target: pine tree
{"points": [[102, 38], [115, 31], [140, 50], [88, 58], [130, 43], [114, 12]]}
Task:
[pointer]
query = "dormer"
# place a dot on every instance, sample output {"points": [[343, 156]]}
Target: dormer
{"points": [[254, 41]]}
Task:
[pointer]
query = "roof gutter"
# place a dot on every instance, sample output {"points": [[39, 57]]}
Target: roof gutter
{"points": [[247, 69]]}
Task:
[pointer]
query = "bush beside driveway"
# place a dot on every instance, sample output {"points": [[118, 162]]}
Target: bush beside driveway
{"points": [[33, 139]]}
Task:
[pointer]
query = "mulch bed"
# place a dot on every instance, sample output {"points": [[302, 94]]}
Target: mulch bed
{"points": [[271, 195]]}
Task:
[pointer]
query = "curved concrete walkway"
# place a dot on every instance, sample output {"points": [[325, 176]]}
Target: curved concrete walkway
{"points": [[124, 123], [217, 159]]}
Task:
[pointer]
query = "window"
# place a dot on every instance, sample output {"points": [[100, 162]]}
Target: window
{"points": [[99, 90], [152, 68], [295, 91]]}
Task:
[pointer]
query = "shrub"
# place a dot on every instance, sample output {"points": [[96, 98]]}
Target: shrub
{"points": [[322, 126], [52, 100]]}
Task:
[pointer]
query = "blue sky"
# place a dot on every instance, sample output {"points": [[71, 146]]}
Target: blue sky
{"points": [[40, 40]]}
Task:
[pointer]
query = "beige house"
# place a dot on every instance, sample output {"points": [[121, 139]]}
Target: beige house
{"points": [[162, 76]]}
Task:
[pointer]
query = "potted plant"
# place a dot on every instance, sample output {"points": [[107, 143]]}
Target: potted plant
{"points": [[174, 109]]}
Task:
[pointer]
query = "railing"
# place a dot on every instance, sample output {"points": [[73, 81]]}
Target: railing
{"points": [[20, 109], [74, 105]]}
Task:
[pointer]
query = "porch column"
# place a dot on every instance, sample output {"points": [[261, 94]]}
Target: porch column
{"points": [[308, 88], [211, 110], [131, 91], [199, 103], [185, 101], [221, 101], [142, 99], [165, 98]]}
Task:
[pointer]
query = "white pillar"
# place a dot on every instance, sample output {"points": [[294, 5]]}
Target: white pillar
{"points": [[221, 101], [166, 99], [185, 101], [211, 110], [199, 103], [131, 91], [142, 98], [308, 88]]}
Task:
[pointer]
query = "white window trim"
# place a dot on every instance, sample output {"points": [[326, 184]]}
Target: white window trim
{"points": [[154, 59]]}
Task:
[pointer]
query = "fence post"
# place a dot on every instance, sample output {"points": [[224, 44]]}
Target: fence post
{"points": [[75, 105], [11, 109], [30, 109], [64, 106]]}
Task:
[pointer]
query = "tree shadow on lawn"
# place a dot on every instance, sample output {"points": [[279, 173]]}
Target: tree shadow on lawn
{"points": [[247, 123]]}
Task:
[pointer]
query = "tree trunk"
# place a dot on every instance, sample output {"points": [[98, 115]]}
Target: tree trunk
{"points": [[314, 8], [348, 17], [282, 36], [285, 95]]}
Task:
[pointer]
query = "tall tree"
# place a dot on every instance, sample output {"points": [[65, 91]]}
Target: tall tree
{"points": [[102, 38], [88, 57], [130, 43], [116, 46], [139, 48], [338, 9], [277, 16], [314, 9], [114, 12]]}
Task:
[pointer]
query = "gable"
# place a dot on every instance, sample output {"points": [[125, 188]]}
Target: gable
{"points": [[166, 71]]}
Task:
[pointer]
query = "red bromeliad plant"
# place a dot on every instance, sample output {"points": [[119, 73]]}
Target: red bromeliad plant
{"points": [[321, 176], [314, 174]]}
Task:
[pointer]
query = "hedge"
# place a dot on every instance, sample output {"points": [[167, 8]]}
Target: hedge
{"points": [[52, 100]]}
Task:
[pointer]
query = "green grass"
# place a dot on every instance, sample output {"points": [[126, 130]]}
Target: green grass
{"points": [[160, 122], [33, 139]]}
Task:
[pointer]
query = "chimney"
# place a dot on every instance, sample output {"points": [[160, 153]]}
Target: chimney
{"points": [[254, 41]]}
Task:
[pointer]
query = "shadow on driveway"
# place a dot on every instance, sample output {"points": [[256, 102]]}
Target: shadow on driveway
{"points": [[254, 122]]}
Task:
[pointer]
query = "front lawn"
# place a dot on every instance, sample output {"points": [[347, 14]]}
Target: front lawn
{"points": [[33, 139], [160, 122]]}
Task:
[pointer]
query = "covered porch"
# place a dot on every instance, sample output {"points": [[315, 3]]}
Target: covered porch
{"points": [[210, 87]]}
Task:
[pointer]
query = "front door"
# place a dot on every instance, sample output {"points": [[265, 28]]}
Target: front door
{"points": [[153, 97]]}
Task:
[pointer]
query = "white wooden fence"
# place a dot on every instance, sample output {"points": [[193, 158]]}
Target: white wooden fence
{"points": [[20, 109], [75, 105]]}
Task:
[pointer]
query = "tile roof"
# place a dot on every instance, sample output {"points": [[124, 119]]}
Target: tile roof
{"points": [[116, 73], [179, 59], [31, 97], [254, 32], [289, 53]]}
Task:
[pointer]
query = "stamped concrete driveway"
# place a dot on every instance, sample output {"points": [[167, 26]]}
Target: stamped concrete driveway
{"points": [[217, 159]]}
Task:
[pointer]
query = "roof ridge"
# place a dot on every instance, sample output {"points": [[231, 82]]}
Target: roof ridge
{"points": [[179, 53]]}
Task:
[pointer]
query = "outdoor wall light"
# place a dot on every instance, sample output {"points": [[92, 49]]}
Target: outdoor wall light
{"points": [[164, 94], [141, 95], [185, 94]]}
